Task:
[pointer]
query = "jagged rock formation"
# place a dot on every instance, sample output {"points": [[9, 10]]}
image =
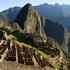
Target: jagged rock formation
{"points": [[31, 46]]}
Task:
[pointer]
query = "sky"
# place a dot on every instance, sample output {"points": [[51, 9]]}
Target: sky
{"points": [[5, 4]]}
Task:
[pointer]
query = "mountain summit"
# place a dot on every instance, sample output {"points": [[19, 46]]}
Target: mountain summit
{"points": [[22, 16], [30, 21]]}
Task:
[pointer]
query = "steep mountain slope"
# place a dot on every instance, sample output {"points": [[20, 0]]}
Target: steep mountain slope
{"points": [[31, 46]]}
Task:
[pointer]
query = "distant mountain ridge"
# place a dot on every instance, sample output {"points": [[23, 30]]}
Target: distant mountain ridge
{"points": [[10, 14], [56, 12]]}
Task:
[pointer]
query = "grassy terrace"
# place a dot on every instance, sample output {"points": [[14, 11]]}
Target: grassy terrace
{"points": [[51, 60]]}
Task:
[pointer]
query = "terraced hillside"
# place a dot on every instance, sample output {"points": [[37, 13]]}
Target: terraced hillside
{"points": [[47, 54]]}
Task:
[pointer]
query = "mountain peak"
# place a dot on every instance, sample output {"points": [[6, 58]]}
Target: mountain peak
{"points": [[30, 21], [24, 13], [28, 7]]}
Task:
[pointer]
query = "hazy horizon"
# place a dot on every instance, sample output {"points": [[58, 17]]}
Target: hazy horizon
{"points": [[5, 4]]}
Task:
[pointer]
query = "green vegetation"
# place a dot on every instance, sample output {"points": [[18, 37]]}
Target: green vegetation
{"points": [[35, 62]]}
